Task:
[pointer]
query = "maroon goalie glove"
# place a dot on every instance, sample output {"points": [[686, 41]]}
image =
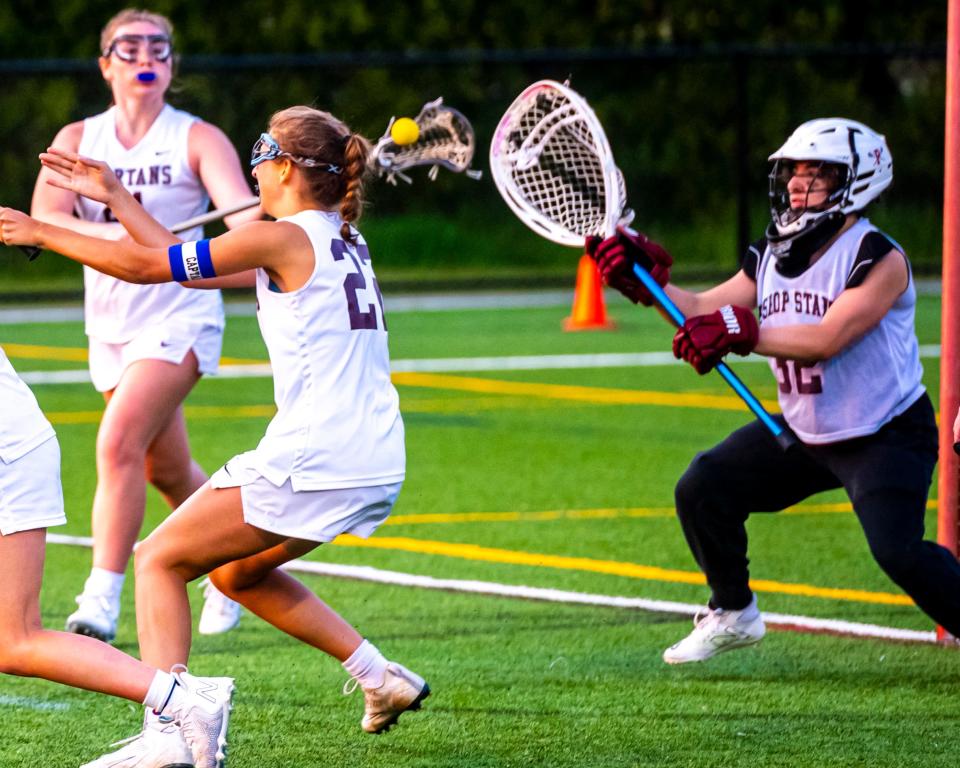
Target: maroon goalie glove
{"points": [[703, 340], [616, 256]]}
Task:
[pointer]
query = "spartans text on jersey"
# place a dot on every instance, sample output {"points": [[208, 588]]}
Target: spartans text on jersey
{"points": [[142, 177]]}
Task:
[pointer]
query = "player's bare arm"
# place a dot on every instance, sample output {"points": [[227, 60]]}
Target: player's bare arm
{"points": [[279, 247], [739, 290], [215, 161], [56, 205], [852, 315], [96, 180]]}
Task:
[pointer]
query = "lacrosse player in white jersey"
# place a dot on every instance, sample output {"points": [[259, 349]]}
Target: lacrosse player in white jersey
{"points": [[148, 344], [332, 460], [31, 500], [836, 303]]}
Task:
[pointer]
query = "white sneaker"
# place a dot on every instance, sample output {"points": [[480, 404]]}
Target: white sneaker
{"points": [[159, 745], [96, 616], [220, 613], [714, 632], [202, 708], [402, 691]]}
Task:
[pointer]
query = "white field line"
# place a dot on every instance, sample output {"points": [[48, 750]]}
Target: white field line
{"points": [[454, 365], [396, 578], [39, 705]]}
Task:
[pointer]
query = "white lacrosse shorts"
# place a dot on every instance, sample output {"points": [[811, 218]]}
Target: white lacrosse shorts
{"points": [[169, 341], [30, 493], [312, 515]]}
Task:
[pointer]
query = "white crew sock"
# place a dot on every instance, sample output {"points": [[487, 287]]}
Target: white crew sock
{"points": [[751, 612], [367, 666], [160, 694], [104, 582]]}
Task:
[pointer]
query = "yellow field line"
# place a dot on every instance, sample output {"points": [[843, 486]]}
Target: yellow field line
{"points": [[241, 361], [572, 392], [434, 518], [192, 411], [603, 513], [609, 567], [36, 352], [74, 417]]}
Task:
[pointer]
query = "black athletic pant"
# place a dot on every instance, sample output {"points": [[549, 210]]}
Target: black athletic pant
{"points": [[886, 475]]}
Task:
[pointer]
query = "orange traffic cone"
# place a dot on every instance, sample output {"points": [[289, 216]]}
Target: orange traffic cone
{"points": [[589, 311]]}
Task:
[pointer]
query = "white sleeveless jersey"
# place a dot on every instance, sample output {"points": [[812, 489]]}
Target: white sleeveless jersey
{"points": [[868, 383], [338, 421], [22, 424], [157, 171]]}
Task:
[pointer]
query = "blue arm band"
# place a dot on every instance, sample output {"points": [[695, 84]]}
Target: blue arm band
{"points": [[190, 261]]}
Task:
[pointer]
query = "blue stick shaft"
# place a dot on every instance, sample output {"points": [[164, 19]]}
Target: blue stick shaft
{"points": [[783, 436]]}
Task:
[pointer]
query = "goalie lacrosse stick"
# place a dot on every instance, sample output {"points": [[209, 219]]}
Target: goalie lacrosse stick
{"points": [[551, 162], [445, 138]]}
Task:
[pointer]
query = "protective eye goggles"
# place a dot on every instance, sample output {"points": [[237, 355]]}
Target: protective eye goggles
{"points": [[266, 148], [127, 47]]}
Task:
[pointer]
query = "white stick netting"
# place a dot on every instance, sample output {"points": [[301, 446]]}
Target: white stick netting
{"points": [[554, 164], [446, 138]]}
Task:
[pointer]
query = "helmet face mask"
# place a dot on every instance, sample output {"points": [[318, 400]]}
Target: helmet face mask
{"points": [[826, 185], [864, 168]]}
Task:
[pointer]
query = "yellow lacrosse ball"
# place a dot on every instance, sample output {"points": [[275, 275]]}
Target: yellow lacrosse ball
{"points": [[404, 131]]}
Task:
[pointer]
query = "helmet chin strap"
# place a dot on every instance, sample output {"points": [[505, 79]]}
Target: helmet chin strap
{"points": [[793, 252]]}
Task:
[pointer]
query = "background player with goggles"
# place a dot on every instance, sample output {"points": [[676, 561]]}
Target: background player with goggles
{"points": [[128, 47]]}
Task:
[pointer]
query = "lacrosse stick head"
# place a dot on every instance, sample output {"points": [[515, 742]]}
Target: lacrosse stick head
{"points": [[551, 162], [446, 139]]}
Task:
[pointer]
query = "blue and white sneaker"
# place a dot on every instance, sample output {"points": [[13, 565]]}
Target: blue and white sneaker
{"points": [[201, 706]]}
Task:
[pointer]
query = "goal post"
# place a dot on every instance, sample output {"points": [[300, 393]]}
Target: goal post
{"points": [[948, 488]]}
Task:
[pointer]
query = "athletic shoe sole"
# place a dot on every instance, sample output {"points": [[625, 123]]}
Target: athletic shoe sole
{"points": [[222, 736], [414, 706], [82, 628], [717, 652]]}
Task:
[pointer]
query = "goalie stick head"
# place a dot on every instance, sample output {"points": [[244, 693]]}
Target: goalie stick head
{"points": [[551, 162], [445, 139]]}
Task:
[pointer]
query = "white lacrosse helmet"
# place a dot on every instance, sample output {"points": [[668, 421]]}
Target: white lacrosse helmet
{"points": [[863, 159]]}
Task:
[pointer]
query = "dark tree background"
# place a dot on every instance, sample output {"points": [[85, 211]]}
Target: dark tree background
{"points": [[693, 95]]}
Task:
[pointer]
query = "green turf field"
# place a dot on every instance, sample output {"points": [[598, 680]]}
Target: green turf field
{"points": [[557, 478]]}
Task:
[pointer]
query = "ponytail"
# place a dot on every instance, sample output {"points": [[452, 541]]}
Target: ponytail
{"points": [[355, 154]]}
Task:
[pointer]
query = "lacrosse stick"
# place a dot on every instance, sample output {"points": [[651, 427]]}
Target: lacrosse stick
{"points": [[33, 251], [445, 138], [219, 213], [551, 162]]}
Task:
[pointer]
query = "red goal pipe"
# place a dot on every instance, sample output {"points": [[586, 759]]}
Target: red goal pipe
{"points": [[949, 479]]}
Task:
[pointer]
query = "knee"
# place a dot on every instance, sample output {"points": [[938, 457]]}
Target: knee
{"points": [[16, 651], [115, 448], [698, 485], [147, 558], [165, 475], [897, 559], [233, 578], [153, 556]]}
